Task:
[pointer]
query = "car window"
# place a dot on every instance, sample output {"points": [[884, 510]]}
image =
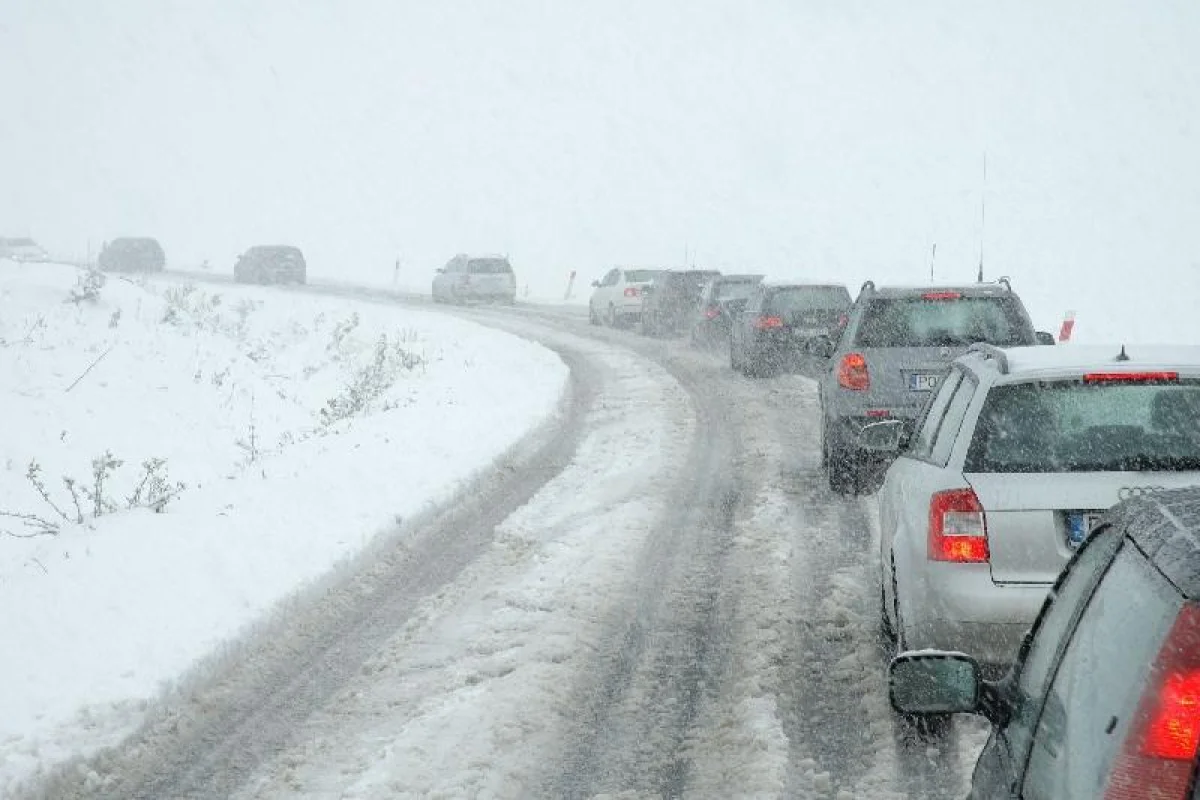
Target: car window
{"points": [[935, 321], [1062, 606], [809, 298], [636, 275], [922, 443], [1078, 426], [756, 300], [947, 432], [733, 290], [489, 266], [1098, 682]]}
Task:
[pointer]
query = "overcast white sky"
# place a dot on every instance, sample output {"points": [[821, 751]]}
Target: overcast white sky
{"points": [[802, 138]]}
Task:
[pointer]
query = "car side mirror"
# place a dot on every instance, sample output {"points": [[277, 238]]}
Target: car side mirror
{"points": [[595, 284], [1045, 337], [932, 682], [821, 347], [882, 437]]}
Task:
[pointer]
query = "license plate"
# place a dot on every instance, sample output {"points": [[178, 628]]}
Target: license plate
{"points": [[923, 381], [1079, 525]]}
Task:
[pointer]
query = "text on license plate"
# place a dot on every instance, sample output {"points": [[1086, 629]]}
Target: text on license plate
{"points": [[1079, 525], [923, 381]]}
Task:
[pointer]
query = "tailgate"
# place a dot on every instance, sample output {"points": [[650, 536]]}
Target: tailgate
{"points": [[1031, 517]]}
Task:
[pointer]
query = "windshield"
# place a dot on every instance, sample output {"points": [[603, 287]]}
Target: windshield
{"points": [[1072, 426], [921, 322], [641, 275], [820, 298], [488, 266], [734, 290]]}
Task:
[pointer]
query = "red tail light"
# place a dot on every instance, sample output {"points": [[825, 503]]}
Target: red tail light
{"points": [[852, 372], [1130, 377], [957, 527], [1157, 754], [765, 323], [712, 312], [942, 295], [632, 291]]}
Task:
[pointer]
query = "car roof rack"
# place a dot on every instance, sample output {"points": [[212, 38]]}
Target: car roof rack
{"points": [[992, 352], [1003, 281]]}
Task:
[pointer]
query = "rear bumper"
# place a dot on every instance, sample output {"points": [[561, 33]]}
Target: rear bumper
{"points": [[962, 609]]}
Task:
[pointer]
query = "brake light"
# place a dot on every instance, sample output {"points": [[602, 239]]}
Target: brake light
{"points": [[766, 323], [632, 291], [942, 296], [1157, 754], [878, 412], [712, 312], [957, 528], [1130, 377], [852, 372]]}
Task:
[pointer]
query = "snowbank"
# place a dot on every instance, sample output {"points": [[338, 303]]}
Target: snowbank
{"points": [[276, 433]]}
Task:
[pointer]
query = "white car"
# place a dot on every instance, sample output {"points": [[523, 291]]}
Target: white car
{"points": [[1013, 458], [22, 249], [617, 297], [467, 279]]}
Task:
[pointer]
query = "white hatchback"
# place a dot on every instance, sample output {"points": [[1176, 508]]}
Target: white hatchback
{"points": [[1011, 461], [466, 279], [617, 297]]}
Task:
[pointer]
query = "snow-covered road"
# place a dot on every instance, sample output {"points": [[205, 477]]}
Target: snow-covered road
{"points": [[657, 598]]}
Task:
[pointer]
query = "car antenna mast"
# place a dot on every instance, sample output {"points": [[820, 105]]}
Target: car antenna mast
{"points": [[982, 217], [932, 258]]}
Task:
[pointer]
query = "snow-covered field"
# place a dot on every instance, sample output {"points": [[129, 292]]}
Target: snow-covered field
{"points": [[277, 433]]}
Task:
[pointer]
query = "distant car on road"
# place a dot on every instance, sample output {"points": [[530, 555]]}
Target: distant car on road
{"points": [[467, 279], [271, 264], [1104, 698], [1016, 456], [712, 318], [132, 254], [669, 300], [894, 351], [22, 249], [780, 321], [617, 297]]}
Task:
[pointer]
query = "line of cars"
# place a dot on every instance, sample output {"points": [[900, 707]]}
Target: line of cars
{"points": [[1039, 513]]}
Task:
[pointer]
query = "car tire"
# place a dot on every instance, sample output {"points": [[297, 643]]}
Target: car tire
{"points": [[840, 468], [593, 317], [613, 322]]}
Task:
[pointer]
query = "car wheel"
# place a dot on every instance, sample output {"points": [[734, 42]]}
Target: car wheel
{"points": [[593, 317], [613, 322], [840, 469]]}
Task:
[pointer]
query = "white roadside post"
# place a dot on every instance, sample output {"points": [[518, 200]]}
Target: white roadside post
{"points": [[1068, 325]]}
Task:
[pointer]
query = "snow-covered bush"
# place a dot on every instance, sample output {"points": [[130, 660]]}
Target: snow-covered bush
{"points": [[87, 286]]}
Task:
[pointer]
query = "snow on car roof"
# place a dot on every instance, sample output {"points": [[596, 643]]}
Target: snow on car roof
{"points": [[1071, 358]]}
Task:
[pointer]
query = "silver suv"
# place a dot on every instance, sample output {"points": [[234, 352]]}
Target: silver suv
{"points": [[893, 353]]}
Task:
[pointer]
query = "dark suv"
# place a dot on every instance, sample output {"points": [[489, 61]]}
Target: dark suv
{"points": [[1104, 699], [132, 254], [896, 347], [271, 264], [669, 300], [780, 321]]}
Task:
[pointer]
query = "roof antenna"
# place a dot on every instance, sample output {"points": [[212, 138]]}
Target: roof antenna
{"points": [[982, 217], [932, 258], [1122, 356]]}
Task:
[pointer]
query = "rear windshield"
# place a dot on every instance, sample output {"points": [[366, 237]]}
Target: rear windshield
{"points": [[488, 266], [641, 275], [809, 298], [136, 246], [921, 322], [734, 290], [1072, 426]]}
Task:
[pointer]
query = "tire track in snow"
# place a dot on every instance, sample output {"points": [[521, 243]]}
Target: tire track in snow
{"points": [[231, 715]]}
